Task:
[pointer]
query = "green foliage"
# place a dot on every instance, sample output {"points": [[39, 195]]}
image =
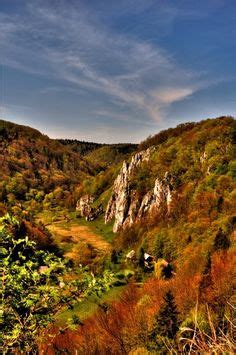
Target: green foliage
{"points": [[31, 291], [110, 154], [142, 180], [35, 288], [34, 166], [88, 306]]}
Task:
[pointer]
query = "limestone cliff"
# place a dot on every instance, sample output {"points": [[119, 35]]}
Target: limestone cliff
{"points": [[124, 205]]}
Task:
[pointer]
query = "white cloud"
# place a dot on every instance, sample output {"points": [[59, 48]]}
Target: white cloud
{"points": [[170, 95]]}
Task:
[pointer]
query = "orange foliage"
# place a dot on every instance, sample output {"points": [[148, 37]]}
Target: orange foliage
{"points": [[223, 275], [205, 204]]}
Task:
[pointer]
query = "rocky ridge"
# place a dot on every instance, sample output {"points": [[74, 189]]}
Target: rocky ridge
{"points": [[124, 206]]}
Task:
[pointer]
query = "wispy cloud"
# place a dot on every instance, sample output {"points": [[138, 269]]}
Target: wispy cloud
{"points": [[72, 44]]}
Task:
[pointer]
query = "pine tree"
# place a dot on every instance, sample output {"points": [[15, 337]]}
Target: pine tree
{"points": [[166, 321], [167, 271], [206, 275], [221, 241], [189, 239], [206, 280], [141, 257], [114, 256]]}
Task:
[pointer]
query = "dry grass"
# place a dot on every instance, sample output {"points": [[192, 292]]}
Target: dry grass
{"points": [[80, 234], [216, 341]]}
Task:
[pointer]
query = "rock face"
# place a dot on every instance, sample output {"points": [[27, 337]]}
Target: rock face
{"points": [[124, 205], [161, 193], [84, 207]]}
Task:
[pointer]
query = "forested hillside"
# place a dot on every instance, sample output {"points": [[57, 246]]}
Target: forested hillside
{"points": [[155, 223]]}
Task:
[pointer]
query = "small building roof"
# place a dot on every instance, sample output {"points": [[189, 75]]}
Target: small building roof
{"points": [[147, 256], [130, 255]]}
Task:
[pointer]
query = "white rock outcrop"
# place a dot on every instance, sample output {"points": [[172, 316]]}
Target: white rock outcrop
{"points": [[124, 205]]}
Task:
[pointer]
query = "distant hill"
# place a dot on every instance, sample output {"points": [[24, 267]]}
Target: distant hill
{"points": [[100, 153], [81, 147], [35, 168]]}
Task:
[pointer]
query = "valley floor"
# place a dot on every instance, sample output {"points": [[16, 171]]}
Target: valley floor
{"points": [[79, 233]]}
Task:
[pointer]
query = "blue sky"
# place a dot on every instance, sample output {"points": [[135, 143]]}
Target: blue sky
{"points": [[116, 71]]}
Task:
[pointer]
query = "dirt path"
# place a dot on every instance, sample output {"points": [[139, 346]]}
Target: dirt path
{"points": [[80, 233]]}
